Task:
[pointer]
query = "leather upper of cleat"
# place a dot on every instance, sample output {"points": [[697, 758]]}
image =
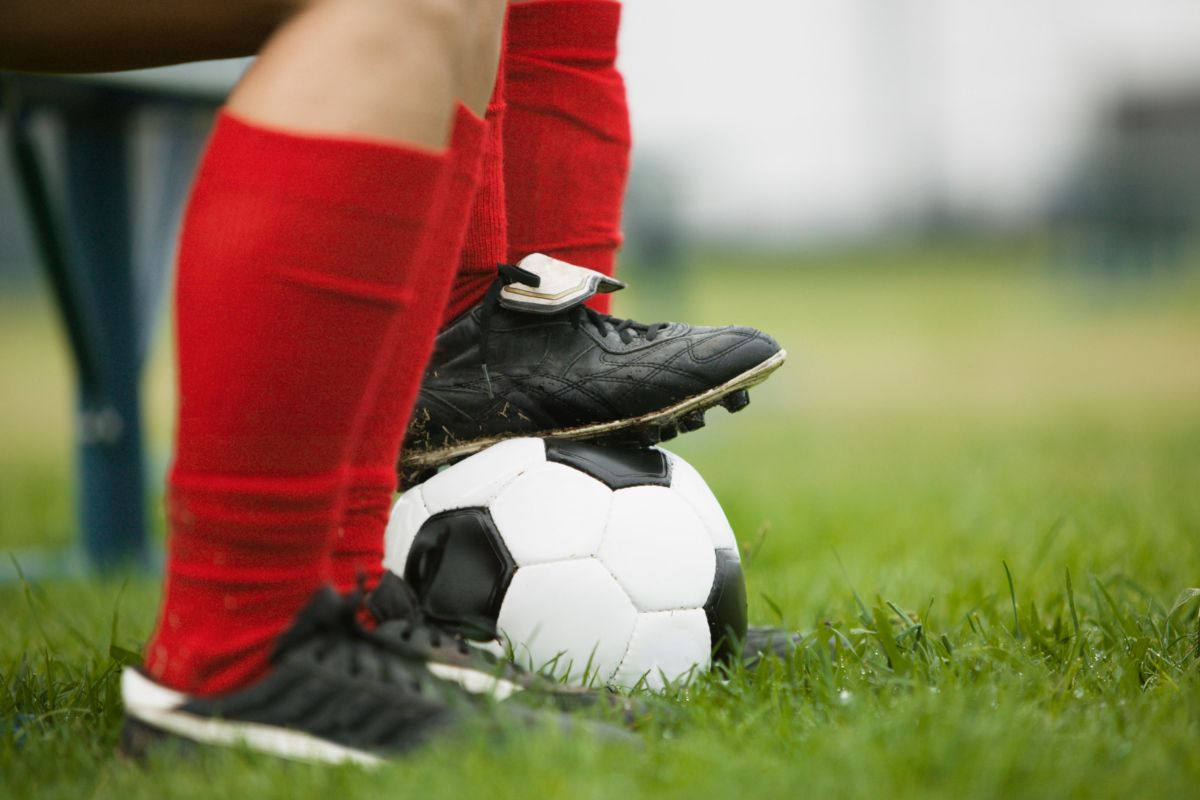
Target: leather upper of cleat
{"points": [[499, 370]]}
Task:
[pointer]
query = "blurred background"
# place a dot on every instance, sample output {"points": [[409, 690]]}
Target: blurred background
{"points": [[973, 225], [823, 122]]}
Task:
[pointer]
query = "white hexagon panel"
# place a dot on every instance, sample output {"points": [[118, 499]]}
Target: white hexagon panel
{"points": [[658, 549], [408, 515], [666, 646], [551, 512], [476, 480], [686, 481], [569, 618]]}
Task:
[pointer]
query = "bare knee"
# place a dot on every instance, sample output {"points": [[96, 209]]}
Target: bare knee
{"points": [[385, 68], [447, 21], [467, 32], [380, 26]]}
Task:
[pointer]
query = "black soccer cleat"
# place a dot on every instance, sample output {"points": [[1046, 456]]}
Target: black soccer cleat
{"points": [[336, 693], [531, 360]]}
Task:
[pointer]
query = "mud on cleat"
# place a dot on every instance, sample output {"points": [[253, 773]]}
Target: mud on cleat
{"points": [[531, 360]]}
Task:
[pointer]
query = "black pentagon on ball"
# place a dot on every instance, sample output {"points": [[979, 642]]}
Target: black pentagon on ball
{"points": [[726, 608], [615, 467], [460, 569]]}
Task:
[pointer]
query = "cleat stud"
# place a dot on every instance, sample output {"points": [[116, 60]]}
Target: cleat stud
{"points": [[667, 432], [736, 401], [691, 421], [637, 437]]}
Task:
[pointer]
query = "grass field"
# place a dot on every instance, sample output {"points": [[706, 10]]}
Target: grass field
{"points": [[975, 486]]}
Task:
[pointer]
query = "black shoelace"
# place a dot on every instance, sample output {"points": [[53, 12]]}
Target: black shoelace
{"points": [[344, 638], [626, 329], [439, 630]]}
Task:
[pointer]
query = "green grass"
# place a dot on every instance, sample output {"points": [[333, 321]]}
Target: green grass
{"points": [[974, 487]]}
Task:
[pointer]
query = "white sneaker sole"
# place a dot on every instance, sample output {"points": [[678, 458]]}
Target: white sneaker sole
{"points": [[159, 708]]}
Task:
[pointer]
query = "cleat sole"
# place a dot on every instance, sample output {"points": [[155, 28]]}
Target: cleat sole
{"points": [[644, 431]]}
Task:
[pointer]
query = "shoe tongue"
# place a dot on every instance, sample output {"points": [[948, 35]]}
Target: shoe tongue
{"points": [[326, 610], [559, 286], [392, 599]]}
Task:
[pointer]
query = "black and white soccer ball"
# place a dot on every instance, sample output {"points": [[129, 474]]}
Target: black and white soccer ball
{"points": [[600, 565]]}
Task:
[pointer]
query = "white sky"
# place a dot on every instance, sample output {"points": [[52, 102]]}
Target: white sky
{"points": [[797, 118]]}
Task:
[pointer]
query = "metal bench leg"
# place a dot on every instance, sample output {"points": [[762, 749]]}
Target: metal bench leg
{"points": [[87, 252], [111, 470]]}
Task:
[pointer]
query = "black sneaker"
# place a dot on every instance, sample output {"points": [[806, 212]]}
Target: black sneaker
{"points": [[454, 650], [531, 360], [336, 693]]}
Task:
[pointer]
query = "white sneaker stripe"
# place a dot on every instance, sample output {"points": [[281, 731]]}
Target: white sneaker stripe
{"points": [[474, 681], [158, 706]]}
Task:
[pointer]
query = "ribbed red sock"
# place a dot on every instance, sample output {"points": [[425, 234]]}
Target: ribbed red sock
{"points": [[486, 242], [358, 551], [566, 133], [297, 262]]}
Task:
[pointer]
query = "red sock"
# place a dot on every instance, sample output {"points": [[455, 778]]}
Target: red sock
{"points": [[486, 243], [296, 263], [359, 547], [566, 134]]}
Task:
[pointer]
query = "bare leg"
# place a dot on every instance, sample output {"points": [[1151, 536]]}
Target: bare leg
{"points": [[483, 54], [381, 68]]}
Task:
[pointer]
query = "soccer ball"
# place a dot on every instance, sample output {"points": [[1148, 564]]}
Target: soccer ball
{"points": [[598, 565]]}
